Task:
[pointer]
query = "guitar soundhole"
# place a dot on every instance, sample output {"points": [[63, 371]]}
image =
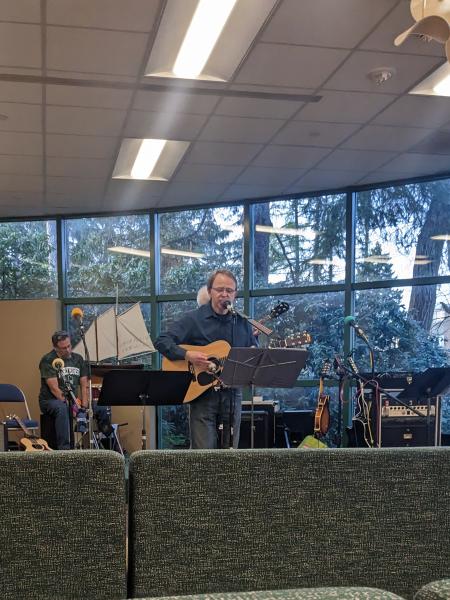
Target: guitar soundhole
{"points": [[205, 378]]}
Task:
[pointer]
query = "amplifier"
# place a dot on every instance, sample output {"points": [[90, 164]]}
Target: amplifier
{"points": [[400, 426]]}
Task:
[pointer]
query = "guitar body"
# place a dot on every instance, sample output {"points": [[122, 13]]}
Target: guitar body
{"points": [[322, 415], [202, 380], [34, 444]]}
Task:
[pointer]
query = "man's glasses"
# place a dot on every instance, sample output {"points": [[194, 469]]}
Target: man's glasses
{"points": [[221, 290]]}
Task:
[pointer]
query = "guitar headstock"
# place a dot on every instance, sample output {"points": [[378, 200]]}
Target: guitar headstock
{"points": [[278, 310], [325, 371]]}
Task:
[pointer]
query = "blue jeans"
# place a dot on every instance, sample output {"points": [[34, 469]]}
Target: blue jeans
{"points": [[58, 411], [208, 412]]}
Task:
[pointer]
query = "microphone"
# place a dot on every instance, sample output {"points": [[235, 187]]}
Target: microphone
{"points": [[230, 308], [350, 320], [58, 364], [77, 314]]}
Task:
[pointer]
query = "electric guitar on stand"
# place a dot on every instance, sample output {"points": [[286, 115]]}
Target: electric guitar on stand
{"points": [[322, 414], [30, 442]]}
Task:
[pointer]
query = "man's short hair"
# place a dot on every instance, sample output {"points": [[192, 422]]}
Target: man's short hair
{"points": [[59, 336], [225, 272]]}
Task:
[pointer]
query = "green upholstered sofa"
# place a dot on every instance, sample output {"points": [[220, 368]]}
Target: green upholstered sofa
{"points": [[62, 525], [305, 525], [209, 522]]}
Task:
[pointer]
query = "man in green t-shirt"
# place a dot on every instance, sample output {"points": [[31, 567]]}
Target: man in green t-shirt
{"points": [[72, 374]]}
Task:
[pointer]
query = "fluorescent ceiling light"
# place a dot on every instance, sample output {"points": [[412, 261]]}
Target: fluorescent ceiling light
{"points": [[309, 234], [206, 26], [134, 251], [422, 261], [436, 84], [377, 258], [146, 253], [148, 159], [182, 253], [444, 237], [321, 261], [206, 39]]}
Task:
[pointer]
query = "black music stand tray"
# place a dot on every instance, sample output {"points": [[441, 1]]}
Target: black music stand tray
{"points": [[264, 367], [432, 382], [144, 388]]}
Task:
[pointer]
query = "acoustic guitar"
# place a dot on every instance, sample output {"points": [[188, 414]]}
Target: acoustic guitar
{"points": [[202, 379], [30, 442], [322, 414]]}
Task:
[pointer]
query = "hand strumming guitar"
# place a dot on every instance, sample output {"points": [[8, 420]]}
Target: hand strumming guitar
{"points": [[198, 359]]}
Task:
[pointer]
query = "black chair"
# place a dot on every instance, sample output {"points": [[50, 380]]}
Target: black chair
{"points": [[10, 393]]}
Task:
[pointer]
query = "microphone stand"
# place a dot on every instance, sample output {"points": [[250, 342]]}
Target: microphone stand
{"points": [[266, 331], [71, 401], [90, 411]]}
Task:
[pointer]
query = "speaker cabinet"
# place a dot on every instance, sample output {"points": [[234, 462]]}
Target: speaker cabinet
{"points": [[413, 431], [3, 438], [263, 429]]}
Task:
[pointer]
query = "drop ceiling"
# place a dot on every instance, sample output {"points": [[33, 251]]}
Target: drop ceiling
{"points": [[299, 114]]}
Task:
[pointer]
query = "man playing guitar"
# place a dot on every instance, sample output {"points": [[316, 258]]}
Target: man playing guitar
{"points": [[209, 323]]}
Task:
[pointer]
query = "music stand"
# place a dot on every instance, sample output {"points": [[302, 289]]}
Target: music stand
{"points": [[265, 367], [144, 388]]}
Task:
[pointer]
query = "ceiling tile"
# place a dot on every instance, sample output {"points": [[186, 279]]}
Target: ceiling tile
{"points": [[316, 180], [101, 97], [20, 10], [75, 185], [20, 143], [123, 195], [294, 66], [379, 137], [27, 53], [355, 160], [28, 165], [303, 157], [207, 173], [353, 73], [257, 107], [21, 117], [247, 192], [216, 153], [240, 129], [84, 121], [344, 107], [82, 146], [21, 183], [78, 167], [26, 199], [175, 102], [18, 91], [339, 24], [167, 126], [190, 193], [93, 51], [266, 176], [384, 176], [132, 15], [418, 164], [314, 134], [416, 111], [72, 203], [382, 38]]}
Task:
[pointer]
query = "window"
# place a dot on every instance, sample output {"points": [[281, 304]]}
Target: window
{"points": [[108, 255], [28, 260], [196, 242], [299, 242], [403, 232]]}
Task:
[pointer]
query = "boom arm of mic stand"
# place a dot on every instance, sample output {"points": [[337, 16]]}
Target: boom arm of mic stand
{"points": [[256, 324]]}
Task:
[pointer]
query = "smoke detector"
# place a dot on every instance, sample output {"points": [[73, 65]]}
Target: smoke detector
{"points": [[381, 74]]}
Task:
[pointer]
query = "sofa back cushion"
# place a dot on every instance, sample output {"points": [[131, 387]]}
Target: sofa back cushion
{"points": [[221, 521]]}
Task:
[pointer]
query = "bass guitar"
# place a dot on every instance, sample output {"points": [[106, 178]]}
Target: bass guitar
{"points": [[30, 442], [322, 413], [361, 420]]}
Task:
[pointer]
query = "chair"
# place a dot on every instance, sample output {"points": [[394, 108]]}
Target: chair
{"points": [[11, 393]]}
